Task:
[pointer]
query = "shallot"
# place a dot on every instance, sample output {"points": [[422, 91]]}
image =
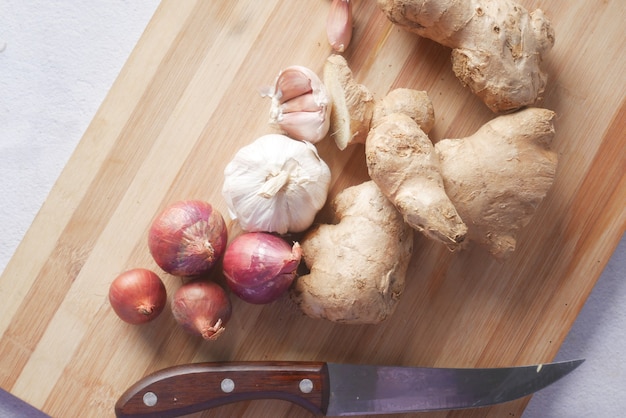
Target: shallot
{"points": [[202, 308], [137, 296], [188, 238], [259, 267]]}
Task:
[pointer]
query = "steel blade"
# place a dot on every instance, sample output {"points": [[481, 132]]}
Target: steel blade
{"points": [[361, 390]]}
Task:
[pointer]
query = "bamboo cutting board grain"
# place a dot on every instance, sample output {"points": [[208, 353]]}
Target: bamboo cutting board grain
{"points": [[187, 99]]}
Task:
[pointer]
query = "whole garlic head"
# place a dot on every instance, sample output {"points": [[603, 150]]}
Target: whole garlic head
{"points": [[300, 104], [276, 184]]}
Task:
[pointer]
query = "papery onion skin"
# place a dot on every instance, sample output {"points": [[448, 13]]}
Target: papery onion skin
{"points": [[259, 267], [188, 238], [202, 308], [137, 296]]}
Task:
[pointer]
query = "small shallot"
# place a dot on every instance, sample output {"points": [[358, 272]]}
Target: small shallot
{"points": [[202, 308], [137, 296], [259, 267], [188, 238]]}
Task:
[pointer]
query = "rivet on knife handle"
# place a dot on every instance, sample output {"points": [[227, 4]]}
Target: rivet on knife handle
{"points": [[171, 392]]}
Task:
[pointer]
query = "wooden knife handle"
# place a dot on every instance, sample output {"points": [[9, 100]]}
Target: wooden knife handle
{"points": [[185, 389]]}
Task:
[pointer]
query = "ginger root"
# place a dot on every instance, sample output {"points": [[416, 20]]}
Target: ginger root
{"points": [[497, 177], [355, 110], [358, 265], [414, 103], [482, 188], [497, 44], [353, 103], [402, 161]]}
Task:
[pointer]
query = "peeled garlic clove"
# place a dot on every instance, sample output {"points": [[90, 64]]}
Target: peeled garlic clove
{"points": [[276, 184], [339, 25], [299, 90]]}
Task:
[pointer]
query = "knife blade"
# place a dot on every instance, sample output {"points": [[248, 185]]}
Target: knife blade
{"points": [[333, 389]]}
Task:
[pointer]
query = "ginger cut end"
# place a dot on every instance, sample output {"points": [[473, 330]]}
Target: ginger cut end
{"points": [[353, 103]]}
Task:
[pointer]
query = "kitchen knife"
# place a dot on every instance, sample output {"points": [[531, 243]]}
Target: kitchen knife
{"points": [[332, 389]]}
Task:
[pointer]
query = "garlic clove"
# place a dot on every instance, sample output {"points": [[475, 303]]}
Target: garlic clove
{"points": [[297, 91], [339, 25], [292, 82], [303, 103], [305, 126]]}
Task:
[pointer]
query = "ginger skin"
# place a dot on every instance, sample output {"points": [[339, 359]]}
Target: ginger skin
{"points": [[497, 177], [414, 103], [358, 265], [402, 161], [498, 46]]}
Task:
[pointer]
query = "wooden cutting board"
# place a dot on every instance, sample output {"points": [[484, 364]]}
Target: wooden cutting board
{"points": [[188, 98]]}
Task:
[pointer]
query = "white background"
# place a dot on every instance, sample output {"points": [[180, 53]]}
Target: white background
{"points": [[58, 59]]}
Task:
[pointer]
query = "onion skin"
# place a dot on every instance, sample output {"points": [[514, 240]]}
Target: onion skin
{"points": [[137, 296], [259, 267], [202, 308], [188, 238]]}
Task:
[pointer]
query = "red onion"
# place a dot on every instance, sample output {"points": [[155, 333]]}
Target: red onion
{"points": [[137, 296], [188, 238], [202, 308], [260, 267]]}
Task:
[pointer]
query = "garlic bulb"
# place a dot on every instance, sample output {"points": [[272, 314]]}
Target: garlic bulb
{"points": [[276, 184], [300, 104]]}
